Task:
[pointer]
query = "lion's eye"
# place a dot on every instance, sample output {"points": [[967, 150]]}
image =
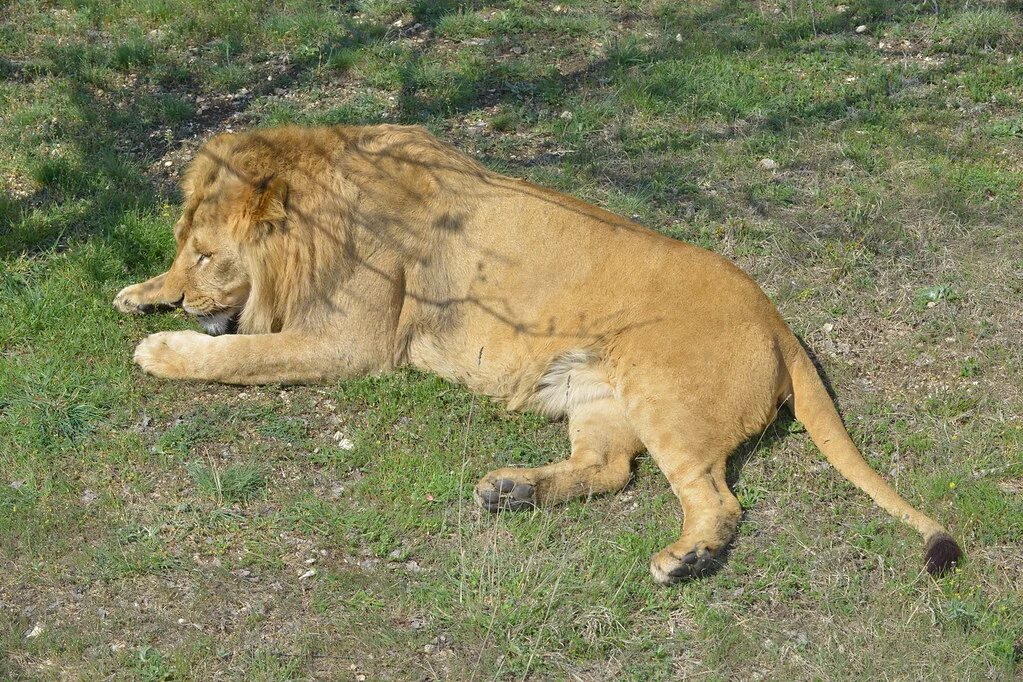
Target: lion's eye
{"points": [[203, 257]]}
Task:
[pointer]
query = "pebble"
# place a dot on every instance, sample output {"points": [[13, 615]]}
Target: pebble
{"points": [[861, 28], [768, 164]]}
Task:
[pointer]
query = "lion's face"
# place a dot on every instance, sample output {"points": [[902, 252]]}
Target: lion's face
{"points": [[233, 203], [208, 267]]}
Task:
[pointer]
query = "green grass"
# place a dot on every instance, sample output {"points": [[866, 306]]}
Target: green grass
{"points": [[160, 531]]}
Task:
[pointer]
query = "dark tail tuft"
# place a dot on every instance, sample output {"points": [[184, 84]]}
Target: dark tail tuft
{"points": [[942, 553]]}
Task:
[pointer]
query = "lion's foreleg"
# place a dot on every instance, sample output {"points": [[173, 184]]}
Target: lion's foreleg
{"points": [[286, 357]]}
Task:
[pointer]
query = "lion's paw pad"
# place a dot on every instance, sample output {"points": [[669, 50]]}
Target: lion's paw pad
{"points": [[668, 567], [505, 494]]}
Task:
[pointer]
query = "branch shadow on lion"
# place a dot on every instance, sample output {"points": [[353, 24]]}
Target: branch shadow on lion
{"points": [[374, 225]]}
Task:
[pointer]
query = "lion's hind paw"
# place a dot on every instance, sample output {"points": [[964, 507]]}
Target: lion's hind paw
{"points": [[505, 494]]}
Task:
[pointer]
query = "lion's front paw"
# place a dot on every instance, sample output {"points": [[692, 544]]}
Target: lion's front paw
{"points": [[172, 355], [127, 301]]}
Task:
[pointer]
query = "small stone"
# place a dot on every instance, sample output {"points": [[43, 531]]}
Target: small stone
{"points": [[343, 442], [828, 327], [566, 115], [861, 28], [768, 164]]}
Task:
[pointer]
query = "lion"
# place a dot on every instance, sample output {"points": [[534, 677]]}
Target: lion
{"points": [[314, 254]]}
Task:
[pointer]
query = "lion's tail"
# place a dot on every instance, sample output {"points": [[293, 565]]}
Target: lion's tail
{"points": [[812, 406]]}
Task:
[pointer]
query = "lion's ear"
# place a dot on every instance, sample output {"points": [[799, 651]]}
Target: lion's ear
{"points": [[267, 207]]}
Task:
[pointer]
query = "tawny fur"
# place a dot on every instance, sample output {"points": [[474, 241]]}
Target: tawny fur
{"points": [[343, 251]]}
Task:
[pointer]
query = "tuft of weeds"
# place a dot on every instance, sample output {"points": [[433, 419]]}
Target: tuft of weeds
{"points": [[983, 28], [234, 483]]}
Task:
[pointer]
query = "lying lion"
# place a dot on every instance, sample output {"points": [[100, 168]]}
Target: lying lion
{"points": [[337, 252]]}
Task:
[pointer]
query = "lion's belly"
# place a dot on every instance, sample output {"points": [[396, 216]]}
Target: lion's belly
{"points": [[521, 371], [478, 363]]}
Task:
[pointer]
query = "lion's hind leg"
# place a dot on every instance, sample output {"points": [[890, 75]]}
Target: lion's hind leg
{"points": [[691, 447], [603, 447], [711, 516]]}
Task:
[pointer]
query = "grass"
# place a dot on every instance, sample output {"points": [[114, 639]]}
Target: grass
{"points": [[159, 531]]}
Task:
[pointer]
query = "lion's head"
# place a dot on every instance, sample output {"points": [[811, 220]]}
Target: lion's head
{"points": [[228, 203]]}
